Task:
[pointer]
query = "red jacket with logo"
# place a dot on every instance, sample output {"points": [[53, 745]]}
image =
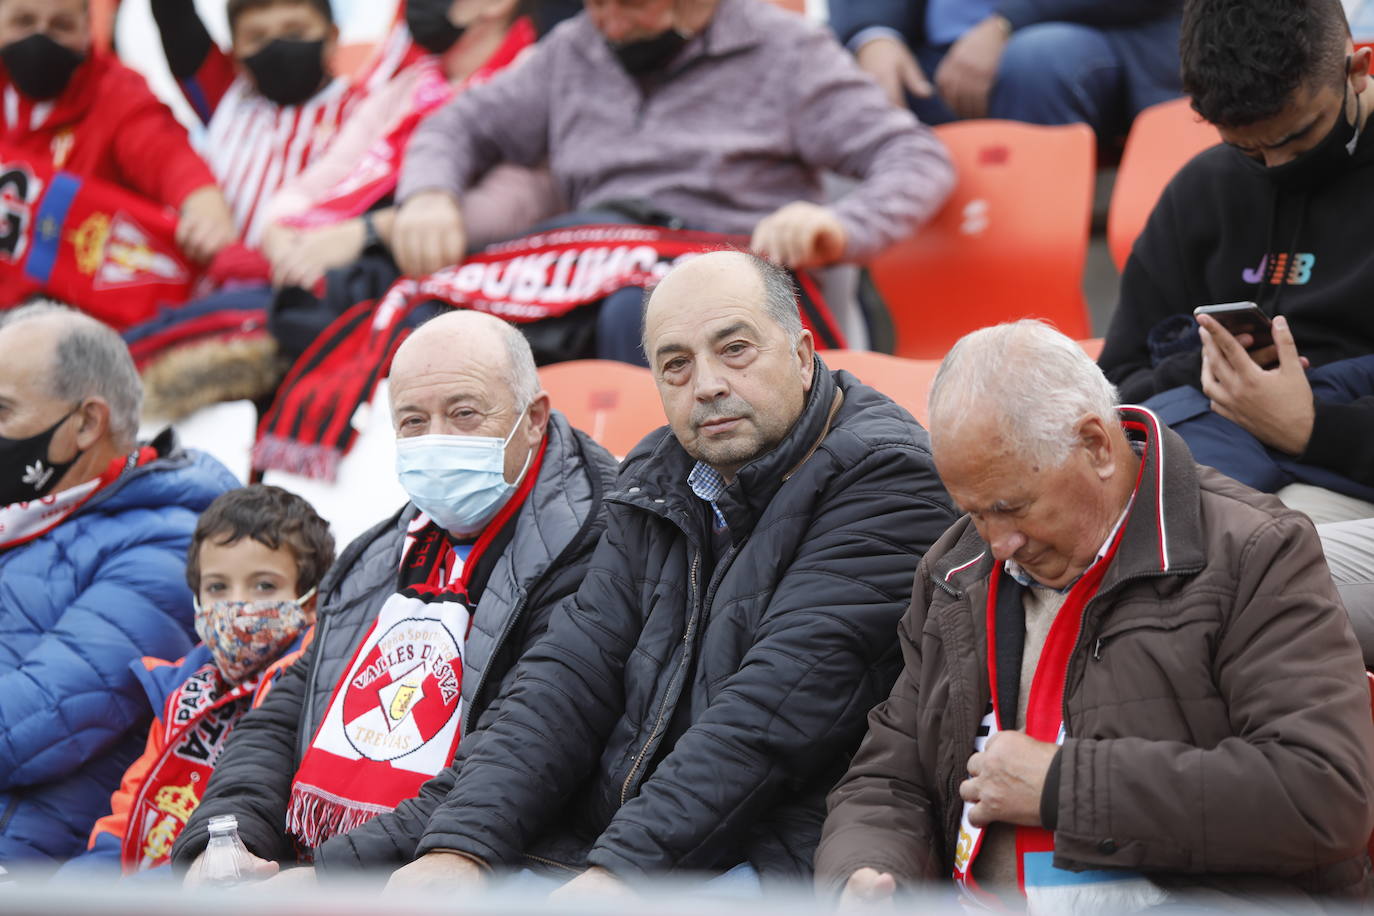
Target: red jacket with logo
{"points": [[106, 124]]}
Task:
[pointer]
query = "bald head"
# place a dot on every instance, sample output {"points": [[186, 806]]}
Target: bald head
{"points": [[468, 374], [482, 341], [732, 363], [730, 273]]}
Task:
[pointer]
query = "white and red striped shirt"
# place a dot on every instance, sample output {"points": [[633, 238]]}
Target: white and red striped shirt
{"points": [[254, 146]]}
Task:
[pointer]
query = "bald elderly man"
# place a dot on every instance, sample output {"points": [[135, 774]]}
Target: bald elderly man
{"points": [[687, 712], [422, 618], [94, 529], [1128, 680]]}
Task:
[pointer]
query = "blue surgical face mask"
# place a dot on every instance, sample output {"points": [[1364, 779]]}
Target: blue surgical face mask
{"points": [[458, 481]]}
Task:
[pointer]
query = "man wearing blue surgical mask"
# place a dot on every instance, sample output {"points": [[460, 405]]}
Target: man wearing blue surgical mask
{"points": [[422, 618], [687, 712]]}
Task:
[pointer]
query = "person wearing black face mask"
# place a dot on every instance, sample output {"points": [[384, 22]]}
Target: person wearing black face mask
{"points": [[274, 82], [1274, 215], [94, 529], [70, 106], [432, 26]]}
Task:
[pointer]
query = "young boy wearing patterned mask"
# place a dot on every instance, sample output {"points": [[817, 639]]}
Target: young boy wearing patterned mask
{"points": [[256, 559]]}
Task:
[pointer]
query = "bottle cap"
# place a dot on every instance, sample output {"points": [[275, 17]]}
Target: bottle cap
{"points": [[224, 823]]}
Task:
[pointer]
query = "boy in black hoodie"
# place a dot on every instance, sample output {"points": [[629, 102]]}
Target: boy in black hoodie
{"points": [[1280, 214]]}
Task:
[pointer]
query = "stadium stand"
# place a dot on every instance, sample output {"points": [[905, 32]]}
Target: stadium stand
{"points": [[614, 403], [1010, 243], [1162, 140]]}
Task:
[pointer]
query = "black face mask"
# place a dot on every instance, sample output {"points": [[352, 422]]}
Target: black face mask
{"points": [[288, 70], [1323, 162], [645, 56], [430, 26], [25, 471], [40, 67]]}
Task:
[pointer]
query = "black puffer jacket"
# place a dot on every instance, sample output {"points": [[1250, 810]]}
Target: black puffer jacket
{"points": [[763, 670], [543, 562]]}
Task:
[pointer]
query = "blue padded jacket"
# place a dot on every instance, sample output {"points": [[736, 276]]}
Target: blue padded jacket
{"points": [[102, 589]]}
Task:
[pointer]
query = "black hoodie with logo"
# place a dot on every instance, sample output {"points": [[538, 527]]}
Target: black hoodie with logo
{"points": [[1224, 232]]}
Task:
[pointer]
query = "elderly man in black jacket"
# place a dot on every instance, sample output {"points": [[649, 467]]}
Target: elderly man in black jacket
{"points": [[690, 709], [423, 618]]}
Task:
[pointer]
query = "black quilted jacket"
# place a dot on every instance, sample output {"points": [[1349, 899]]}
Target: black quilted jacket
{"points": [[759, 674]]}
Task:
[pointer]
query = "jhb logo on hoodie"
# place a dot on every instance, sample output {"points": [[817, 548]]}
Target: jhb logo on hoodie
{"points": [[1279, 269]]}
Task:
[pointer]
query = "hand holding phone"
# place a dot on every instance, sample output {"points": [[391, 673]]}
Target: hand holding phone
{"points": [[1241, 318]]}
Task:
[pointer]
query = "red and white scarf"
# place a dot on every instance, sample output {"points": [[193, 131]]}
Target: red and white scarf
{"points": [[395, 718], [1048, 890], [24, 521], [197, 718]]}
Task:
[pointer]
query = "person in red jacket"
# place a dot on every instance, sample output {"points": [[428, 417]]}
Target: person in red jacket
{"points": [[67, 105]]}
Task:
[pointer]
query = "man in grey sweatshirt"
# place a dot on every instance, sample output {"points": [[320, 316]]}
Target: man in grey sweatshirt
{"points": [[721, 114]]}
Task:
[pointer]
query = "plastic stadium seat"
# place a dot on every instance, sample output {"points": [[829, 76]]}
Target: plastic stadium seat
{"points": [[1163, 139], [615, 403], [906, 381], [1010, 242]]}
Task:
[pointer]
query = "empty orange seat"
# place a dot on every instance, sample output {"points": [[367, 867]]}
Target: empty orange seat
{"points": [[615, 403], [1163, 139], [1010, 242], [906, 381]]}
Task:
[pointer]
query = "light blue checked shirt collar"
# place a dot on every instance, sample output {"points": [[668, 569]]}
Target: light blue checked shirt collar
{"points": [[707, 483]]}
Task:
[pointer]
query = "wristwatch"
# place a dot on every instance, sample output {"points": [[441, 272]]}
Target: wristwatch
{"points": [[370, 237]]}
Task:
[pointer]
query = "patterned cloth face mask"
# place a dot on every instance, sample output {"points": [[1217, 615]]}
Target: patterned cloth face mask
{"points": [[246, 636]]}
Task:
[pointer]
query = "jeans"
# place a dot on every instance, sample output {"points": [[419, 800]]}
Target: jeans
{"points": [[1065, 73]]}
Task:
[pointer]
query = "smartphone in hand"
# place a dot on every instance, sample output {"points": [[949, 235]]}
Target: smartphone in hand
{"points": [[1242, 318]]}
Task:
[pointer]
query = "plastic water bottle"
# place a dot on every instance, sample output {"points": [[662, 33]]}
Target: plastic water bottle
{"points": [[226, 861]]}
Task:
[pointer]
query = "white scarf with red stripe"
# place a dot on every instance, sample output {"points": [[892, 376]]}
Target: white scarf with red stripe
{"points": [[395, 718], [1048, 890], [25, 521]]}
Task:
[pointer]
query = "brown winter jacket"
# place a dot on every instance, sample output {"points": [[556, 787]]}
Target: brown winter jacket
{"points": [[1218, 721]]}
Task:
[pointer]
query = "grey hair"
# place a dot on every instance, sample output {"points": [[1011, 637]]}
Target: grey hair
{"points": [[1038, 379], [779, 299], [92, 360], [521, 373]]}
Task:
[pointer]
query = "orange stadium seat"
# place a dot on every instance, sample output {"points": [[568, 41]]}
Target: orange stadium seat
{"points": [[615, 403], [1162, 141], [906, 381], [1011, 242]]}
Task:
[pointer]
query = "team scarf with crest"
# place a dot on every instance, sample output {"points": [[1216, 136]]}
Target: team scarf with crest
{"points": [[395, 718], [196, 720], [312, 423], [1048, 889], [24, 521]]}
